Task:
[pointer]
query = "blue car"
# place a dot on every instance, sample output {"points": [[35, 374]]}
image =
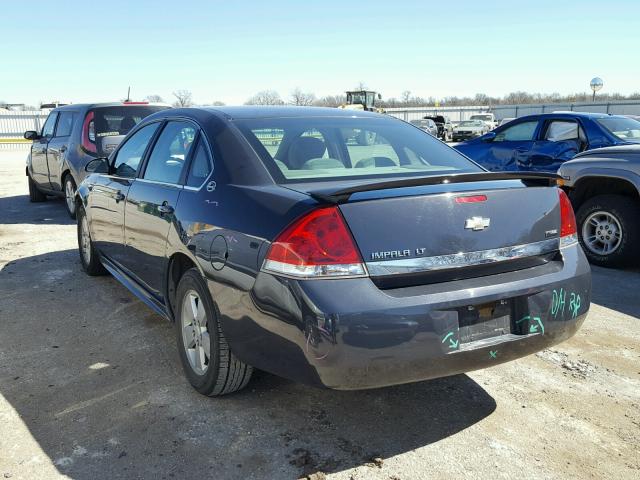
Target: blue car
{"points": [[544, 142]]}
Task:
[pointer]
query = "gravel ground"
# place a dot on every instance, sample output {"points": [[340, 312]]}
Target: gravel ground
{"points": [[91, 388]]}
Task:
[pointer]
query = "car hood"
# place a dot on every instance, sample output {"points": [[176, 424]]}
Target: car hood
{"points": [[470, 128]]}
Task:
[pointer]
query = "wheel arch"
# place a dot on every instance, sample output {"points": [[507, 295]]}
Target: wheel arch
{"points": [[178, 264], [593, 185]]}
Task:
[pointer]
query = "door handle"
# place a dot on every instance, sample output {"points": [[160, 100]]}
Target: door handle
{"points": [[63, 148], [165, 208], [119, 196]]}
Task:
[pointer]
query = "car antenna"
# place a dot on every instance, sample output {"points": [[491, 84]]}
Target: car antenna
{"points": [[128, 95]]}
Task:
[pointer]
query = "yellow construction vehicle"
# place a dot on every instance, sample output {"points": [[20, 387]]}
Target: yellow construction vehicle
{"points": [[362, 100]]}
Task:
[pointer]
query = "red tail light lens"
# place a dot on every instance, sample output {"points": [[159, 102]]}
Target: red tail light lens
{"points": [[568, 228], [318, 244], [88, 128], [471, 199]]}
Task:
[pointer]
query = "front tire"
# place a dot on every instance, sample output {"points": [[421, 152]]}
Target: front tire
{"points": [[35, 195], [70, 195], [88, 255], [609, 230], [208, 363]]}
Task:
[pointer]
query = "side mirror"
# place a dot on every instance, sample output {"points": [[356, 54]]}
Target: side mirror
{"points": [[98, 165], [31, 135], [379, 97], [488, 137]]}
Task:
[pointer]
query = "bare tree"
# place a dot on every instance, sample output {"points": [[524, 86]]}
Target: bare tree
{"points": [[361, 85], [265, 97], [406, 97], [298, 97], [218, 103], [331, 101], [183, 98], [154, 99]]}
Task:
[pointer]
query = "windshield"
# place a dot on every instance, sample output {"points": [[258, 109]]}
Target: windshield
{"points": [[325, 148], [357, 98], [471, 123], [624, 128], [481, 117]]}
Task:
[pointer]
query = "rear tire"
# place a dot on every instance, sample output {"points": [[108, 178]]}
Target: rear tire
{"points": [[208, 363], [35, 195], [599, 216], [89, 257], [70, 194]]}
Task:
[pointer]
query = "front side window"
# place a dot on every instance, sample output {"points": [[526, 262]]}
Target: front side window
{"points": [[170, 152], [128, 158], [324, 148], [521, 132], [200, 166], [49, 125], [623, 128], [65, 124]]}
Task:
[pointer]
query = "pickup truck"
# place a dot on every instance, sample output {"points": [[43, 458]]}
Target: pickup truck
{"points": [[604, 188]]}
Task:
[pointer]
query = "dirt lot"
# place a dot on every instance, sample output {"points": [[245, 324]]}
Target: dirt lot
{"points": [[91, 388]]}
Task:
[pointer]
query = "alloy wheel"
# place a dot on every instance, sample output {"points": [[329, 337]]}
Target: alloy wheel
{"points": [[602, 233], [195, 332]]}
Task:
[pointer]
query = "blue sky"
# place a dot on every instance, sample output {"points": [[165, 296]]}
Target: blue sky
{"points": [[92, 51]]}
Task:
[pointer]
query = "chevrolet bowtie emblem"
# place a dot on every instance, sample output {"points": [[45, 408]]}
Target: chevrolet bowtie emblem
{"points": [[477, 223]]}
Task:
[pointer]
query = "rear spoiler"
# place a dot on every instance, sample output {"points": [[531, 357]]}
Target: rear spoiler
{"points": [[528, 178]]}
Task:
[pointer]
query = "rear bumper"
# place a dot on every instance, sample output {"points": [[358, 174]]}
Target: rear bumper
{"points": [[348, 334]]}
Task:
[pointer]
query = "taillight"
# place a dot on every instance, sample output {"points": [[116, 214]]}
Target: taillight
{"points": [[568, 228], [88, 130], [316, 245]]}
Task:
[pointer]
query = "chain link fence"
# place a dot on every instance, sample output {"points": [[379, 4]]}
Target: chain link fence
{"points": [[13, 125], [460, 113]]}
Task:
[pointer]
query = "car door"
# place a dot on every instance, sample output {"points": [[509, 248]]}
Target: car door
{"points": [[151, 202], [106, 203], [57, 147], [511, 147], [560, 140], [39, 167]]}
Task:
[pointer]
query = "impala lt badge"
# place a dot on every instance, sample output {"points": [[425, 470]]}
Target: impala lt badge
{"points": [[477, 223]]}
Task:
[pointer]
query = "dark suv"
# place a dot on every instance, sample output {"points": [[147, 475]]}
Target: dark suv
{"points": [[445, 127], [72, 136]]}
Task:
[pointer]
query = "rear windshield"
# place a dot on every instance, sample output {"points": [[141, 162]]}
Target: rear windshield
{"points": [[325, 148], [623, 128], [116, 122]]}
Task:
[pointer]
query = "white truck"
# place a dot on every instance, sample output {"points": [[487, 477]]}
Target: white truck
{"points": [[488, 118]]}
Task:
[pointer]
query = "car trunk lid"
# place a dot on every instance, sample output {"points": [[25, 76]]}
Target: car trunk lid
{"points": [[436, 231]]}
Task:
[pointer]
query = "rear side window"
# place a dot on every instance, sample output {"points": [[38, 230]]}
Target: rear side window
{"points": [[114, 121], [559, 130], [65, 124], [521, 132], [322, 148], [170, 152], [49, 125], [200, 166], [128, 157]]}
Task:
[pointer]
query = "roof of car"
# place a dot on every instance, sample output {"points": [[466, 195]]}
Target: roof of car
{"points": [[251, 111], [571, 114], [87, 106]]}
